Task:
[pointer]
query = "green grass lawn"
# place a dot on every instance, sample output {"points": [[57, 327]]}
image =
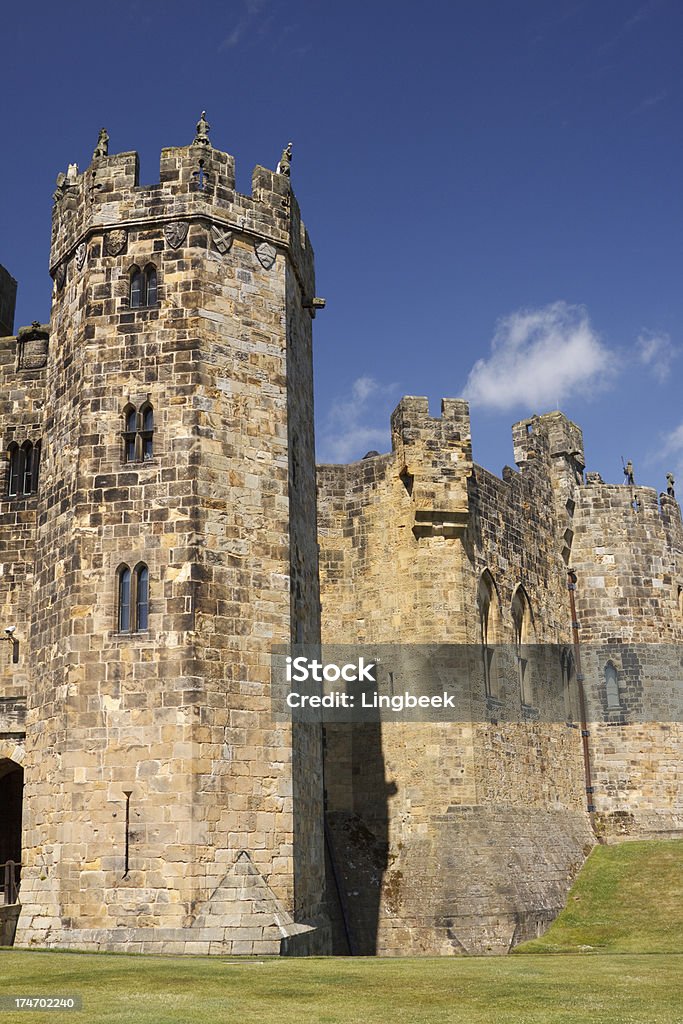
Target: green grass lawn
{"points": [[626, 899], [583, 989], [626, 904]]}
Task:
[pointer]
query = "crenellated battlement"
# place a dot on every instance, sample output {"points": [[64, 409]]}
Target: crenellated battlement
{"points": [[624, 512], [552, 433], [414, 431], [196, 187], [553, 444], [435, 456]]}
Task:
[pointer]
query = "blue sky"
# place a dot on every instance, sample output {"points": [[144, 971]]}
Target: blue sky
{"points": [[493, 190]]}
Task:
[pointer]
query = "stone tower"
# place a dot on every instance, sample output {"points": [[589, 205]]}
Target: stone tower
{"points": [[175, 543]]}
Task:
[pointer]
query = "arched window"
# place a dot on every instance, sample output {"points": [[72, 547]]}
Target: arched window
{"points": [[523, 631], [143, 286], [132, 609], [123, 612], [612, 687], [489, 628], [141, 597], [150, 285], [136, 288], [147, 432], [13, 477], [130, 424], [22, 473], [138, 433]]}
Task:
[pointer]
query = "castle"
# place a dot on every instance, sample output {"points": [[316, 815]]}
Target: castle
{"points": [[158, 536]]}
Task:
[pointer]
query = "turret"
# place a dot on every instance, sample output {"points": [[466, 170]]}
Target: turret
{"points": [[436, 454], [557, 443]]}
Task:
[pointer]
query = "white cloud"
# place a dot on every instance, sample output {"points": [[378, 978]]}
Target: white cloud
{"points": [[252, 10], [642, 13], [672, 446], [650, 101], [539, 358], [234, 37], [674, 440], [657, 352], [672, 449], [358, 422]]}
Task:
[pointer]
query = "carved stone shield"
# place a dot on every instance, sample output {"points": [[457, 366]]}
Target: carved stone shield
{"points": [[265, 254], [221, 239], [81, 252], [115, 241], [175, 232], [33, 345]]}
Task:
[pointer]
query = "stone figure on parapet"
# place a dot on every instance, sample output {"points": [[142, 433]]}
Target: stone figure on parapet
{"points": [[102, 147], [670, 485], [203, 129], [61, 187], [285, 164], [628, 473], [65, 182]]}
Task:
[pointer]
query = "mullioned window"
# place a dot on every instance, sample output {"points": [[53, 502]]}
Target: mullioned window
{"points": [[132, 605], [143, 286], [138, 433], [23, 462]]}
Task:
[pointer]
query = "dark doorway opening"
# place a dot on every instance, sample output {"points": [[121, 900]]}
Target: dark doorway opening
{"points": [[11, 794]]}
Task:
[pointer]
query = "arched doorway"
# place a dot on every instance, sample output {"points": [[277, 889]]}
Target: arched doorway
{"points": [[11, 794]]}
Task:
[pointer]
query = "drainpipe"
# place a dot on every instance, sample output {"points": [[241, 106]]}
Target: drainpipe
{"points": [[571, 587]]}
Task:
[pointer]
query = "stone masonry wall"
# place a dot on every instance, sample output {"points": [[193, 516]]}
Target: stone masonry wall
{"points": [[628, 555], [405, 539], [22, 399]]}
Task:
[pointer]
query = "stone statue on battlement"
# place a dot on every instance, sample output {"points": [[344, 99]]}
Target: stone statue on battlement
{"points": [[285, 164], [61, 187], [102, 147], [203, 129], [670, 485], [65, 182]]}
